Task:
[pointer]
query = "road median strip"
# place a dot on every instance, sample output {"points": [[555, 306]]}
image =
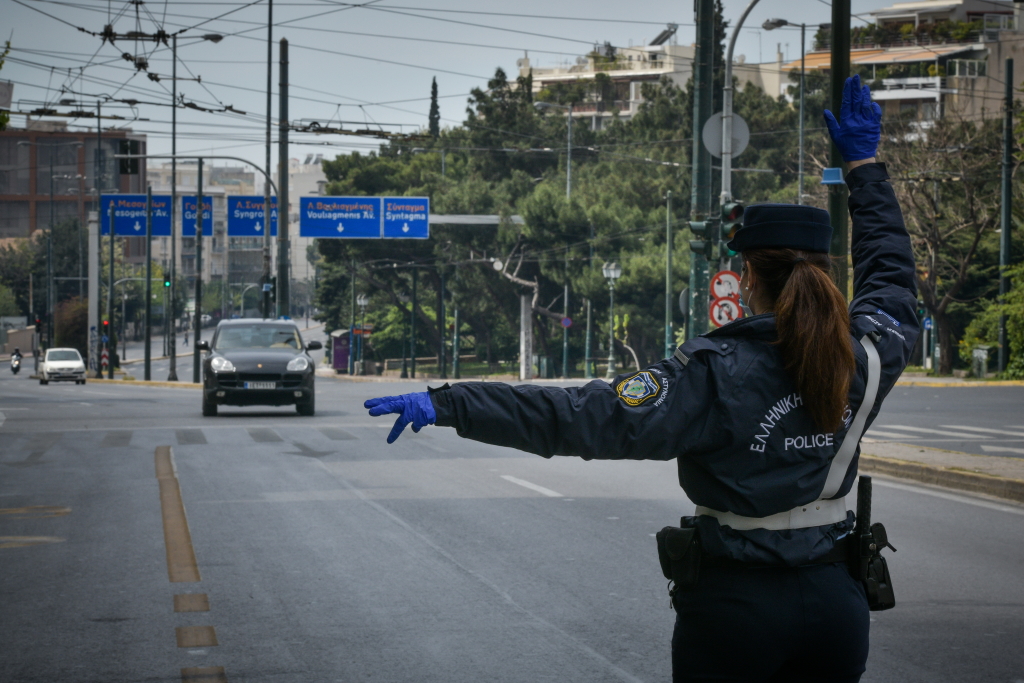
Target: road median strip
{"points": [[985, 474], [151, 383]]}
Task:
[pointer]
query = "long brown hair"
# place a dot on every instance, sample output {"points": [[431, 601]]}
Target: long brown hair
{"points": [[813, 324]]}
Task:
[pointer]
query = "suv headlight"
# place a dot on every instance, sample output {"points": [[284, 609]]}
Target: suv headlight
{"points": [[221, 364], [298, 364]]}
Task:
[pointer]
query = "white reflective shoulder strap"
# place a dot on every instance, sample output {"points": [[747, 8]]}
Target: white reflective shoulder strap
{"points": [[841, 462], [821, 511]]}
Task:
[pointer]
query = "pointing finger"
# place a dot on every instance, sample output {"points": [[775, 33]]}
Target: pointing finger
{"points": [[387, 408], [397, 430], [377, 401]]}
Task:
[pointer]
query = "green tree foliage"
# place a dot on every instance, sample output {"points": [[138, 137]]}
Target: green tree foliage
{"points": [[70, 325], [8, 302], [434, 117]]}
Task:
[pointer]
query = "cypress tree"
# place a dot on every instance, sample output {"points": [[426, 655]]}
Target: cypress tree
{"points": [[435, 112]]}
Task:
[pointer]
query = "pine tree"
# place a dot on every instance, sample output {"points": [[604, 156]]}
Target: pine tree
{"points": [[435, 112]]}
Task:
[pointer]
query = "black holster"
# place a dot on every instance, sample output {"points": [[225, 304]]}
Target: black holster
{"points": [[679, 553], [867, 564]]}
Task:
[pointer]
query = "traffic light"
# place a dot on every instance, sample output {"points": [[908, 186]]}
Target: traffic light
{"points": [[273, 288], [39, 322], [732, 220], [128, 166], [167, 280], [704, 230]]}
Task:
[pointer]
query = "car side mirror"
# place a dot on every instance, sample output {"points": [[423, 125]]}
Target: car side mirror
{"points": [[314, 345], [203, 345]]}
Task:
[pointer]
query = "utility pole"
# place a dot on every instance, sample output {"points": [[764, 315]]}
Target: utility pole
{"points": [[442, 362], [172, 373], [1006, 214], [669, 341], [803, 71], [197, 316], [110, 294], [50, 298], [412, 327], [565, 330], [700, 196], [588, 368], [283, 258], [266, 185], [352, 327], [149, 281], [837, 210]]}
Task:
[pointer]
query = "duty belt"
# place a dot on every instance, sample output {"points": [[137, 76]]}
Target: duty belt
{"points": [[824, 510]]}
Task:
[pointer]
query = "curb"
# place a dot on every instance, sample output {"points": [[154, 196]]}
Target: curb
{"points": [[952, 383], [974, 482], [144, 383]]}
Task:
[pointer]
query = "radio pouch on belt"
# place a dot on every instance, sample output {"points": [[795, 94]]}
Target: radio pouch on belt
{"points": [[868, 565], [679, 553]]}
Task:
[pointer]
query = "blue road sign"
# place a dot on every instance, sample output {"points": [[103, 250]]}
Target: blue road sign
{"points": [[188, 216], [927, 323], [407, 217], [130, 215], [340, 217], [245, 216]]}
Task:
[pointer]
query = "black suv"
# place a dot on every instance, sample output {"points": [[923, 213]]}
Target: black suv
{"points": [[258, 362]]}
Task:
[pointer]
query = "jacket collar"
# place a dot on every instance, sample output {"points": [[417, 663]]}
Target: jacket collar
{"points": [[756, 326]]}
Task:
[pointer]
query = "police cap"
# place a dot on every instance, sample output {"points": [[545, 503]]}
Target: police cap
{"points": [[784, 226]]}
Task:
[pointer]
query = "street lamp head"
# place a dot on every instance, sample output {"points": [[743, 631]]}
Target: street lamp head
{"points": [[213, 37], [612, 270], [541, 106], [772, 24], [363, 300]]}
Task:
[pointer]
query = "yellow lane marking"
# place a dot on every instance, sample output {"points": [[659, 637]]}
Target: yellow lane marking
{"points": [[25, 541], [36, 511], [191, 602], [204, 674], [181, 557], [196, 636]]}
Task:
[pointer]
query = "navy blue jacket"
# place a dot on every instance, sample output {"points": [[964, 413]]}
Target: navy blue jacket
{"points": [[726, 414]]}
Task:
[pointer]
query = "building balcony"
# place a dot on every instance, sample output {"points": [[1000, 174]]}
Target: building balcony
{"points": [[909, 88]]}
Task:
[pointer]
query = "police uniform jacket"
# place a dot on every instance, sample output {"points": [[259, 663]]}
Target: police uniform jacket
{"points": [[723, 407]]}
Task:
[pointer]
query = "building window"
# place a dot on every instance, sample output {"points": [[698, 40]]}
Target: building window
{"points": [[966, 68], [929, 111]]}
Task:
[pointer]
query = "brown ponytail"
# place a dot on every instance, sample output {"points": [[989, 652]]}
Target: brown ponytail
{"points": [[813, 324]]}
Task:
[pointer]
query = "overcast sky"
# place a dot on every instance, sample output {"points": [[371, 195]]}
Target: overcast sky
{"points": [[364, 65]]}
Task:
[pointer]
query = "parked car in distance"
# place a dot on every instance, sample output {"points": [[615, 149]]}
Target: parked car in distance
{"points": [[251, 361], [62, 365]]}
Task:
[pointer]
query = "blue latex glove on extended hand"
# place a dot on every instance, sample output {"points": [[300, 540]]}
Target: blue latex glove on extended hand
{"points": [[411, 408], [860, 129]]}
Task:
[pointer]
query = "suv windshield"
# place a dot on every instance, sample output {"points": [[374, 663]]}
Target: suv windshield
{"points": [[258, 337], [63, 355]]}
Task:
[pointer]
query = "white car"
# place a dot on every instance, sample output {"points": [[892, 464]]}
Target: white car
{"points": [[62, 365]]}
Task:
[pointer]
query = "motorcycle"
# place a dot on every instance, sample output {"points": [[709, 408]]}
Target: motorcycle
{"points": [[15, 364]]}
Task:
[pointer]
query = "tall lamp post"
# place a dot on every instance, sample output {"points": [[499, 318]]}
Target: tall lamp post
{"points": [[612, 271], [404, 298], [363, 301], [727, 92], [771, 25]]}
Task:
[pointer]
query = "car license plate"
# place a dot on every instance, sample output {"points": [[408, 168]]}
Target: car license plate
{"points": [[261, 385]]}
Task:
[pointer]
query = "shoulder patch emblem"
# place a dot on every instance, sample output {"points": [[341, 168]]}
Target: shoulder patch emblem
{"points": [[638, 388]]}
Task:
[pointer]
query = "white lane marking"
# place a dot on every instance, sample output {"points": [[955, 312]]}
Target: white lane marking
{"points": [[3, 418], [950, 496], [982, 429], [10, 409], [937, 431], [891, 435], [532, 486], [1002, 449]]}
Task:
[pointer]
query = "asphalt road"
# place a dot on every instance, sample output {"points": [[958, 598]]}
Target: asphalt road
{"points": [[327, 555]]}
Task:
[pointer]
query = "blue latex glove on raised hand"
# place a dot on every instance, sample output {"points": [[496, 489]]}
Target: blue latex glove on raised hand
{"points": [[411, 408], [860, 128]]}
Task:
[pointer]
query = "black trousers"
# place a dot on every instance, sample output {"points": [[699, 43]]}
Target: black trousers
{"points": [[792, 625]]}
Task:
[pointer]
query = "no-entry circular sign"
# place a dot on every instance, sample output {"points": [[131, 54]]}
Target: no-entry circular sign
{"points": [[566, 322], [724, 310], [725, 283]]}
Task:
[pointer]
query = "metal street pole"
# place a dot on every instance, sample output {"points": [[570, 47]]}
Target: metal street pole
{"points": [[611, 329], [49, 264], [588, 367], [197, 317], [456, 343], [565, 330], [568, 158], [283, 258], [352, 327], [669, 340], [149, 282], [266, 185], [700, 195], [1006, 214], [727, 92], [172, 373], [840, 249], [800, 163], [110, 294], [412, 327], [442, 321]]}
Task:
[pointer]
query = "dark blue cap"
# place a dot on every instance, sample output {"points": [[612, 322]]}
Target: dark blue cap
{"points": [[783, 226]]}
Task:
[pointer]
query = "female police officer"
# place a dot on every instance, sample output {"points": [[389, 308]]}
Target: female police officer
{"points": [[763, 417]]}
